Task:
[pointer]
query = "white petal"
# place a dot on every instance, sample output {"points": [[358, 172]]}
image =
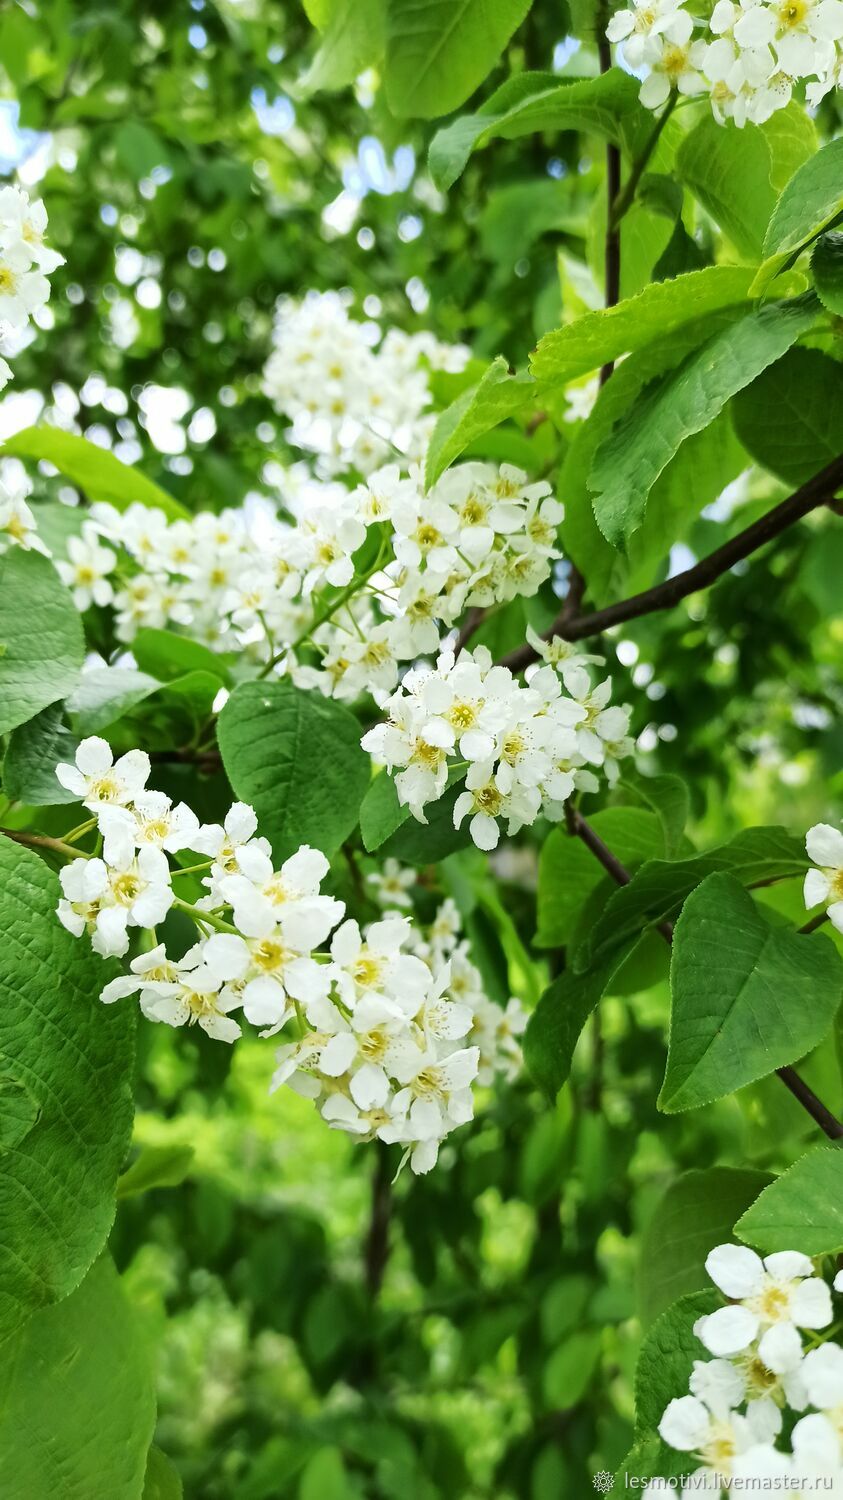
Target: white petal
{"points": [[822, 1375], [811, 1304], [780, 1348], [816, 888], [789, 1264], [369, 1087], [685, 1424], [727, 1331], [227, 955], [94, 756], [824, 845], [338, 1055], [736, 1269]]}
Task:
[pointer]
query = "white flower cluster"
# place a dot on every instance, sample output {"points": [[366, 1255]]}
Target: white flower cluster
{"points": [[825, 848], [383, 1041], [525, 749], [25, 264], [18, 526], [748, 57], [353, 395], [733, 1415], [481, 536]]}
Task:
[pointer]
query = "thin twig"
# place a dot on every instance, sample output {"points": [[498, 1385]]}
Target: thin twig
{"points": [[815, 492], [41, 841], [800, 1090]]}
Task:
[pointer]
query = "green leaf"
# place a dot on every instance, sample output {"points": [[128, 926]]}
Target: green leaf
{"points": [[353, 40], [570, 1369], [77, 1400], [415, 843], [802, 1209], [569, 873], [139, 149], [381, 813], [41, 642], [438, 51], [96, 471], [663, 1371], [554, 1028], [497, 396], [811, 202], [746, 997], [597, 337], [639, 449], [19, 1112], [32, 754], [104, 694], [791, 418], [670, 800], [697, 1211], [74, 1056], [155, 1166], [296, 758], [658, 890], [530, 102], [165, 655], [161, 1480], [827, 266], [737, 175]]}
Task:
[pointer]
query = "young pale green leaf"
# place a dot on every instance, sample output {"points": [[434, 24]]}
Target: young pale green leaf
{"points": [[354, 37], [791, 418], [41, 642], [569, 873], [529, 102], [657, 892], [96, 471], [162, 1480], [595, 338], [438, 51], [747, 997], [156, 1166], [737, 175], [104, 694], [827, 266], [497, 395], [639, 449], [74, 1057], [811, 202], [803, 1207], [296, 758], [696, 1212], [83, 1361], [32, 754]]}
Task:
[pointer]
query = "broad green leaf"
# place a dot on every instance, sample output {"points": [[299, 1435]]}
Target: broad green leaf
{"points": [[802, 1209], [791, 418], [381, 813], [296, 758], [663, 1370], [74, 1056], [827, 266], [165, 655], [161, 1480], [737, 175], [32, 754], [497, 396], [639, 449], [569, 873], [353, 39], [570, 1369], [97, 472], [747, 997], [599, 336], [104, 694], [657, 892], [438, 51], [607, 106], [697, 1211], [19, 1112], [670, 800], [811, 202], [77, 1399], [41, 642], [156, 1166], [554, 1028], [427, 843], [324, 1477]]}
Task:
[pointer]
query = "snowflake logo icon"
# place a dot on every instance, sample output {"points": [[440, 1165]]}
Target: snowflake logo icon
{"points": [[603, 1481]]}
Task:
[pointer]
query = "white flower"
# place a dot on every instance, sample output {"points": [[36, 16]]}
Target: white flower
{"points": [[392, 884], [22, 290], [23, 223], [582, 395], [152, 819], [675, 62], [377, 966], [262, 897], [17, 522], [825, 848], [107, 900], [195, 995], [146, 968], [265, 973], [97, 778], [86, 571], [769, 1296], [718, 1437]]}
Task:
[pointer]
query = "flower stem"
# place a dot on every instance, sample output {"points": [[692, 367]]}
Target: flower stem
{"points": [[41, 841], [208, 917]]}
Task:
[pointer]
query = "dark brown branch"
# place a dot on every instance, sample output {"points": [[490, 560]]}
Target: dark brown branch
{"points": [[815, 492], [800, 1090]]}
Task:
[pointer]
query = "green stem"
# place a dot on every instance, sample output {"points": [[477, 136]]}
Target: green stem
{"points": [[326, 614], [192, 869], [41, 841], [623, 201], [209, 917], [77, 833]]}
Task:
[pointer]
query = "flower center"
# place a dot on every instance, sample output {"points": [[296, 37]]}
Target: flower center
{"points": [[8, 280], [793, 12], [463, 715], [104, 789], [367, 970], [428, 755], [675, 61], [127, 888], [487, 799], [269, 955]]}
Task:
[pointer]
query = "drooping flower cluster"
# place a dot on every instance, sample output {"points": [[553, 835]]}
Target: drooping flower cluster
{"points": [[524, 748], [479, 537], [25, 264], [748, 55], [825, 884], [353, 395], [762, 1375], [385, 1019]]}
